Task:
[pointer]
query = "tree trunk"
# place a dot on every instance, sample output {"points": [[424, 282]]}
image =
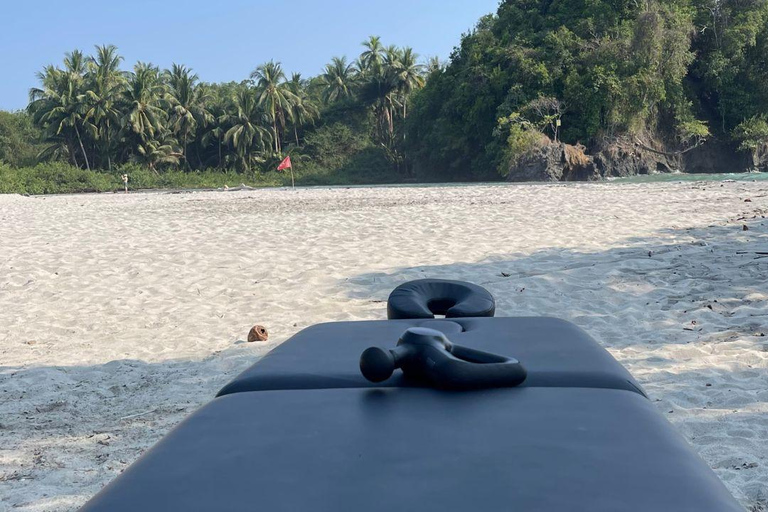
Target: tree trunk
{"points": [[72, 154], [186, 160], [296, 133], [383, 123], [405, 112], [274, 132], [82, 148], [109, 157]]}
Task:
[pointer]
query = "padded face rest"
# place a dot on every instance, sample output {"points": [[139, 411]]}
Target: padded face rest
{"points": [[554, 352], [527, 449], [425, 298]]}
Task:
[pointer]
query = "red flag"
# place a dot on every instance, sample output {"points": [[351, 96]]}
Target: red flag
{"points": [[285, 164]]}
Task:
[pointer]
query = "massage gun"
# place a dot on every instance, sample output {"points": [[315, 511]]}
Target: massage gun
{"points": [[426, 355]]}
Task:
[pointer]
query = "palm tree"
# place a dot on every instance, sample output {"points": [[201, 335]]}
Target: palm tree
{"points": [[215, 134], [303, 110], [433, 65], [391, 56], [246, 134], [397, 77], [153, 152], [188, 104], [144, 117], [371, 59], [58, 107], [378, 91], [106, 83], [409, 75], [338, 79], [75, 63], [274, 96]]}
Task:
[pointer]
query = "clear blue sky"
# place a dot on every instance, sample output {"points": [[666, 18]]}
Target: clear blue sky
{"points": [[221, 40]]}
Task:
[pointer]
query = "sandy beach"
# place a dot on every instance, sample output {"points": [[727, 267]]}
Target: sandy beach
{"points": [[121, 314]]}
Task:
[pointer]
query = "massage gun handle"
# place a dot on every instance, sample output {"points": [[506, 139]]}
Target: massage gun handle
{"points": [[464, 368], [455, 367]]}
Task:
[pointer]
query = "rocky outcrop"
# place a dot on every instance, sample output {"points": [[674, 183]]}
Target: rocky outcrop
{"points": [[718, 156], [759, 159], [554, 161], [621, 157], [625, 158]]}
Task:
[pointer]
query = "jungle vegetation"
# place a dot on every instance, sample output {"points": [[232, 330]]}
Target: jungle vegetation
{"points": [[586, 71], [681, 71]]}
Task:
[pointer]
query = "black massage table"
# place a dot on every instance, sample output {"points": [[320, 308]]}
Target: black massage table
{"points": [[556, 353], [303, 429]]}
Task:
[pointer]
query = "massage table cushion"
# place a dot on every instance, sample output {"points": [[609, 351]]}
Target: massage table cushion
{"points": [[380, 450]]}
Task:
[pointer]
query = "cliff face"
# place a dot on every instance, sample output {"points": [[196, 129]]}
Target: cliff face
{"points": [[620, 158], [718, 156], [554, 162]]}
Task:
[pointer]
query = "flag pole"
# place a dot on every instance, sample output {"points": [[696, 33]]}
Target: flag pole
{"points": [[293, 184]]}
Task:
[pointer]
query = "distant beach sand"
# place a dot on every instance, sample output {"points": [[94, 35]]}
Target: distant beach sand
{"points": [[121, 314]]}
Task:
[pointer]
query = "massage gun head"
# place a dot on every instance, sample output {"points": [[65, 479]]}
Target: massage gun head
{"points": [[377, 364]]}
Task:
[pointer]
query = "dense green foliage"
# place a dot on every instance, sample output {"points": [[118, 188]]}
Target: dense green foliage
{"points": [[672, 69], [19, 139], [365, 167], [341, 126], [677, 72], [752, 133]]}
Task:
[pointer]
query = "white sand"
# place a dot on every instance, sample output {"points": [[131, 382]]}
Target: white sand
{"points": [[119, 315]]}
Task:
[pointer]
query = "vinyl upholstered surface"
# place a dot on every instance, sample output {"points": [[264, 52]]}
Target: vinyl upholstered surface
{"points": [[423, 298], [553, 351], [528, 449]]}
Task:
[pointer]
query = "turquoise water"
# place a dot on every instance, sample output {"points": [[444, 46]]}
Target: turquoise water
{"points": [[662, 178], [644, 178]]}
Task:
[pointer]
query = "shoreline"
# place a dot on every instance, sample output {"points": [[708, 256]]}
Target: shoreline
{"points": [[677, 177]]}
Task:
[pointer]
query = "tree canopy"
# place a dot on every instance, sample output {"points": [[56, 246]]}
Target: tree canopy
{"points": [[582, 71], [675, 69], [94, 115]]}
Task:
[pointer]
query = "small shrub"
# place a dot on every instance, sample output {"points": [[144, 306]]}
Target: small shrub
{"points": [[59, 177], [752, 133], [53, 178]]}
